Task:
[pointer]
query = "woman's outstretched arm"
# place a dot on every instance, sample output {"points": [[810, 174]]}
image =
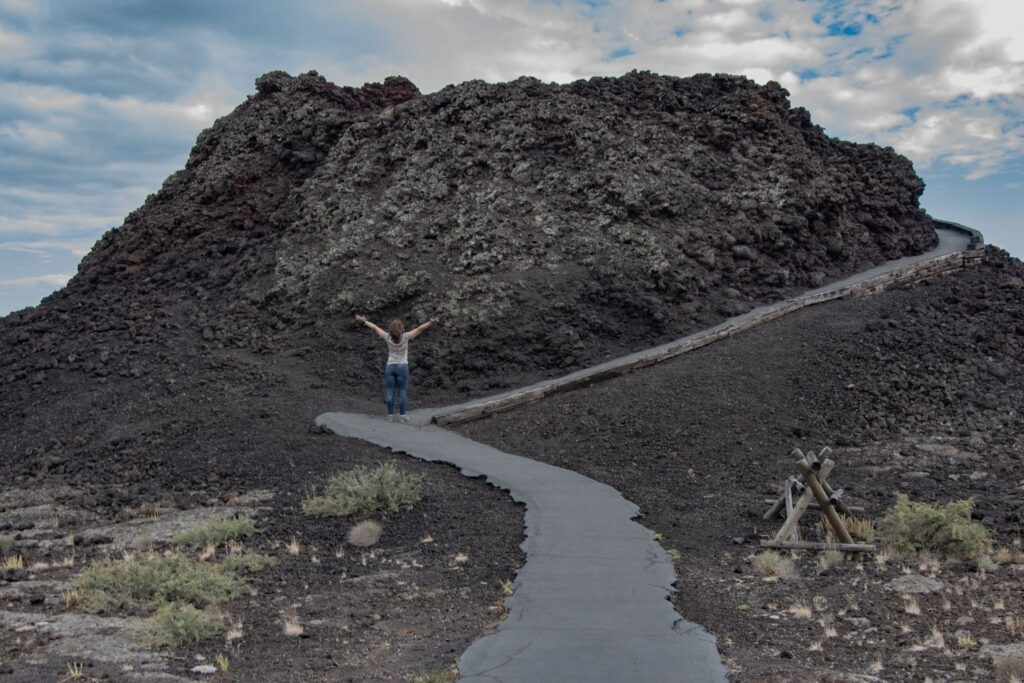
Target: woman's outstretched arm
{"points": [[422, 328], [380, 333]]}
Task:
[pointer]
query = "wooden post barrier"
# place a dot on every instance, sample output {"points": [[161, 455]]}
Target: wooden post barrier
{"points": [[813, 486], [830, 512]]}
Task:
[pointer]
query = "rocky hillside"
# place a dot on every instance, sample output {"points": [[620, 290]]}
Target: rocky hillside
{"points": [[547, 225]]}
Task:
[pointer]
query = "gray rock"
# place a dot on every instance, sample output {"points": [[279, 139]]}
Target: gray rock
{"points": [[204, 669], [915, 583], [1003, 653], [744, 252]]}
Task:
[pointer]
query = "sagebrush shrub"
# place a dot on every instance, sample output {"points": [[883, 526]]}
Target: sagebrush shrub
{"points": [[147, 581], [218, 532], [948, 530], [176, 624], [362, 489]]}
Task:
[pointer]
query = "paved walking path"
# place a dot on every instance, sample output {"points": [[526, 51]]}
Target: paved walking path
{"points": [[592, 604]]}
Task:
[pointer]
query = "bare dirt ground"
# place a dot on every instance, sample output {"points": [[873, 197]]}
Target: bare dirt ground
{"points": [[119, 474], [917, 390]]}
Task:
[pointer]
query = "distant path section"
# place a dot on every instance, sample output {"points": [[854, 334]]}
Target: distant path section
{"points": [[592, 604], [957, 246]]}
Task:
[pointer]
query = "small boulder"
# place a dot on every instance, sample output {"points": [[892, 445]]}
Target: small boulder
{"points": [[915, 583]]}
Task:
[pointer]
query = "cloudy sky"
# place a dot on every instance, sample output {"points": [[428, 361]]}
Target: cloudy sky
{"points": [[100, 100]]}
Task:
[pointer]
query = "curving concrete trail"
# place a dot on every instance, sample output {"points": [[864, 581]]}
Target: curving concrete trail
{"points": [[592, 602]]}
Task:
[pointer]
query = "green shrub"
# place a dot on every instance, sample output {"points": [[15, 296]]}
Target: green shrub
{"points": [[176, 624], [218, 532], [247, 562], [145, 582], [945, 530], [442, 675], [362, 489]]}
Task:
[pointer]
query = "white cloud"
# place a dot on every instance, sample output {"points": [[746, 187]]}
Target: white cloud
{"points": [[41, 247], [51, 279], [32, 134], [13, 45]]}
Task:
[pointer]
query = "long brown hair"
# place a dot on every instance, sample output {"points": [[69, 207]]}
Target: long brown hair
{"points": [[396, 330]]}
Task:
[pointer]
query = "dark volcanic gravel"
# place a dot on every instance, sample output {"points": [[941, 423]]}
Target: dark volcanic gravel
{"points": [[918, 390]]}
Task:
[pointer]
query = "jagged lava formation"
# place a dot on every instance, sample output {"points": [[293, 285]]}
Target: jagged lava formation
{"points": [[548, 225]]}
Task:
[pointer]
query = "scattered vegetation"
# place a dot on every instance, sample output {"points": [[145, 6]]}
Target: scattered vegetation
{"points": [[987, 564], [506, 586], [223, 663], [965, 641], [247, 562], [71, 598], [363, 490], [13, 562], [292, 627], [771, 563], [147, 581], [860, 529], [1010, 670], [76, 671], [829, 559], [180, 594], [441, 675], [1008, 556], [218, 532], [948, 530], [801, 610], [364, 534], [177, 623]]}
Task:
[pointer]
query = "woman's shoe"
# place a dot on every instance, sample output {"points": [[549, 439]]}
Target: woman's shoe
{"points": [[390, 418], [404, 418]]}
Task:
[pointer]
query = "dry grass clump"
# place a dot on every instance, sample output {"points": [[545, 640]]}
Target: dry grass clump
{"points": [[801, 610], [829, 559], [1010, 670], [362, 489], [13, 562], [911, 527], [247, 562], [292, 627], [218, 532], [1008, 556], [364, 534], [442, 675], [860, 529], [771, 563]]}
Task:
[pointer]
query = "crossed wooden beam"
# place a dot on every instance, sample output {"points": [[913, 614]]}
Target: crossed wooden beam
{"points": [[811, 485]]}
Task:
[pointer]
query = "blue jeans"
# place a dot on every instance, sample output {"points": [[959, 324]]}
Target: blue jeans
{"points": [[396, 376]]}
